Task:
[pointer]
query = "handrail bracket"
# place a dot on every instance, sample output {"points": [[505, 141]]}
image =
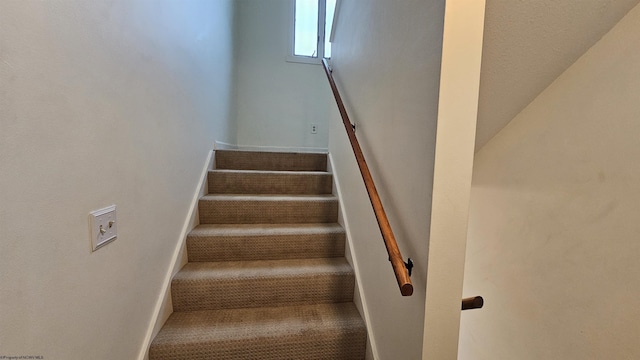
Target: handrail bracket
{"points": [[409, 265]]}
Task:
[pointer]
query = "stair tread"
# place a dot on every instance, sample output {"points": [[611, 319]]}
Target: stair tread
{"points": [[244, 284], [271, 172], [210, 230], [267, 209], [223, 323], [241, 151], [233, 242], [241, 331], [195, 271], [271, 197]]}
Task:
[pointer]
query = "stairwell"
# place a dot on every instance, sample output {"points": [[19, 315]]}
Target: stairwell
{"points": [[266, 277]]}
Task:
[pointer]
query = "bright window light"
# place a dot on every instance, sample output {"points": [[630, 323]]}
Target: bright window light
{"points": [[328, 24], [310, 30], [306, 28]]}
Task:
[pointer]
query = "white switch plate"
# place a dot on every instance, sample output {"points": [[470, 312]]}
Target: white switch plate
{"points": [[105, 218], [314, 128]]}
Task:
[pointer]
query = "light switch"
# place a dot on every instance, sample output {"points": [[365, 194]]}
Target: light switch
{"points": [[104, 227]]}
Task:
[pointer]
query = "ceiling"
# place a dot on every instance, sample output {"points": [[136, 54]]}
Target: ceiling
{"points": [[528, 44]]}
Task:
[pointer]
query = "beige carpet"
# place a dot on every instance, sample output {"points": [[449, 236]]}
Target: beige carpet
{"points": [[318, 332], [267, 209], [266, 277], [270, 161], [229, 242], [269, 182]]}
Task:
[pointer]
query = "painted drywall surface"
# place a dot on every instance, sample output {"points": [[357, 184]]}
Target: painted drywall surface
{"points": [[358, 299], [457, 114], [277, 101], [388, 76], [102, 102], [528, 44], [553, 237]]}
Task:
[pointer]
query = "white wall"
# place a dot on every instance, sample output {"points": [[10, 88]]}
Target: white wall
{"points": [[453, 167], [553, 241], [277, 101], [108, 102], [388, 73]]}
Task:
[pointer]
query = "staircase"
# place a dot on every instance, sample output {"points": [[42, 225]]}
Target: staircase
{"points": [[266, 277]]}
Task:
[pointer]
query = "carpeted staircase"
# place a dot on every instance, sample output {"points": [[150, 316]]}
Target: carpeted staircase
{"points": [[266, 277]]}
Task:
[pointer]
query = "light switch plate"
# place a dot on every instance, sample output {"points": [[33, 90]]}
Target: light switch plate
{"points": [[104, 228]]}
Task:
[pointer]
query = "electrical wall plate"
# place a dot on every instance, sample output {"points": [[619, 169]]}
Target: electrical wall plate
{"points": [[103, 225]]}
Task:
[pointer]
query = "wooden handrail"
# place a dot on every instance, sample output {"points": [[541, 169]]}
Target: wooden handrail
{"points": [[476, 302], [399, 268]]}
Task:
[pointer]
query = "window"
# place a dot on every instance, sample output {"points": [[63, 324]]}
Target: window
{"points": [[312, 23]]}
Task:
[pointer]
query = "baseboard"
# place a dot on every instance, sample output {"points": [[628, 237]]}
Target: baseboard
{"points": [[163, 306], [219, 145], [359, 300]]}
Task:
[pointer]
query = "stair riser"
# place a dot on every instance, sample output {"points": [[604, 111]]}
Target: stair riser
{"points": [[247, 160], [242, 248], [337, 345], [214, 294], [270, 183], [267, 211], [321, 331]]}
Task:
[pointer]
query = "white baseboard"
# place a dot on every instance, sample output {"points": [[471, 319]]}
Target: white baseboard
{"points": [[362, 304], [163, 306], [219, 145]]}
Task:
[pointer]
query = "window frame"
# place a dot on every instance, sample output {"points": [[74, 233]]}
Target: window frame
{"points": [[322, 16]]}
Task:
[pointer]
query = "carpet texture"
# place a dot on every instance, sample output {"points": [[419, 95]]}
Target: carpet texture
{"points": [[270, 161], [267, 209], [229, 242], [269, 182], [266, 277], [311, 332]]}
